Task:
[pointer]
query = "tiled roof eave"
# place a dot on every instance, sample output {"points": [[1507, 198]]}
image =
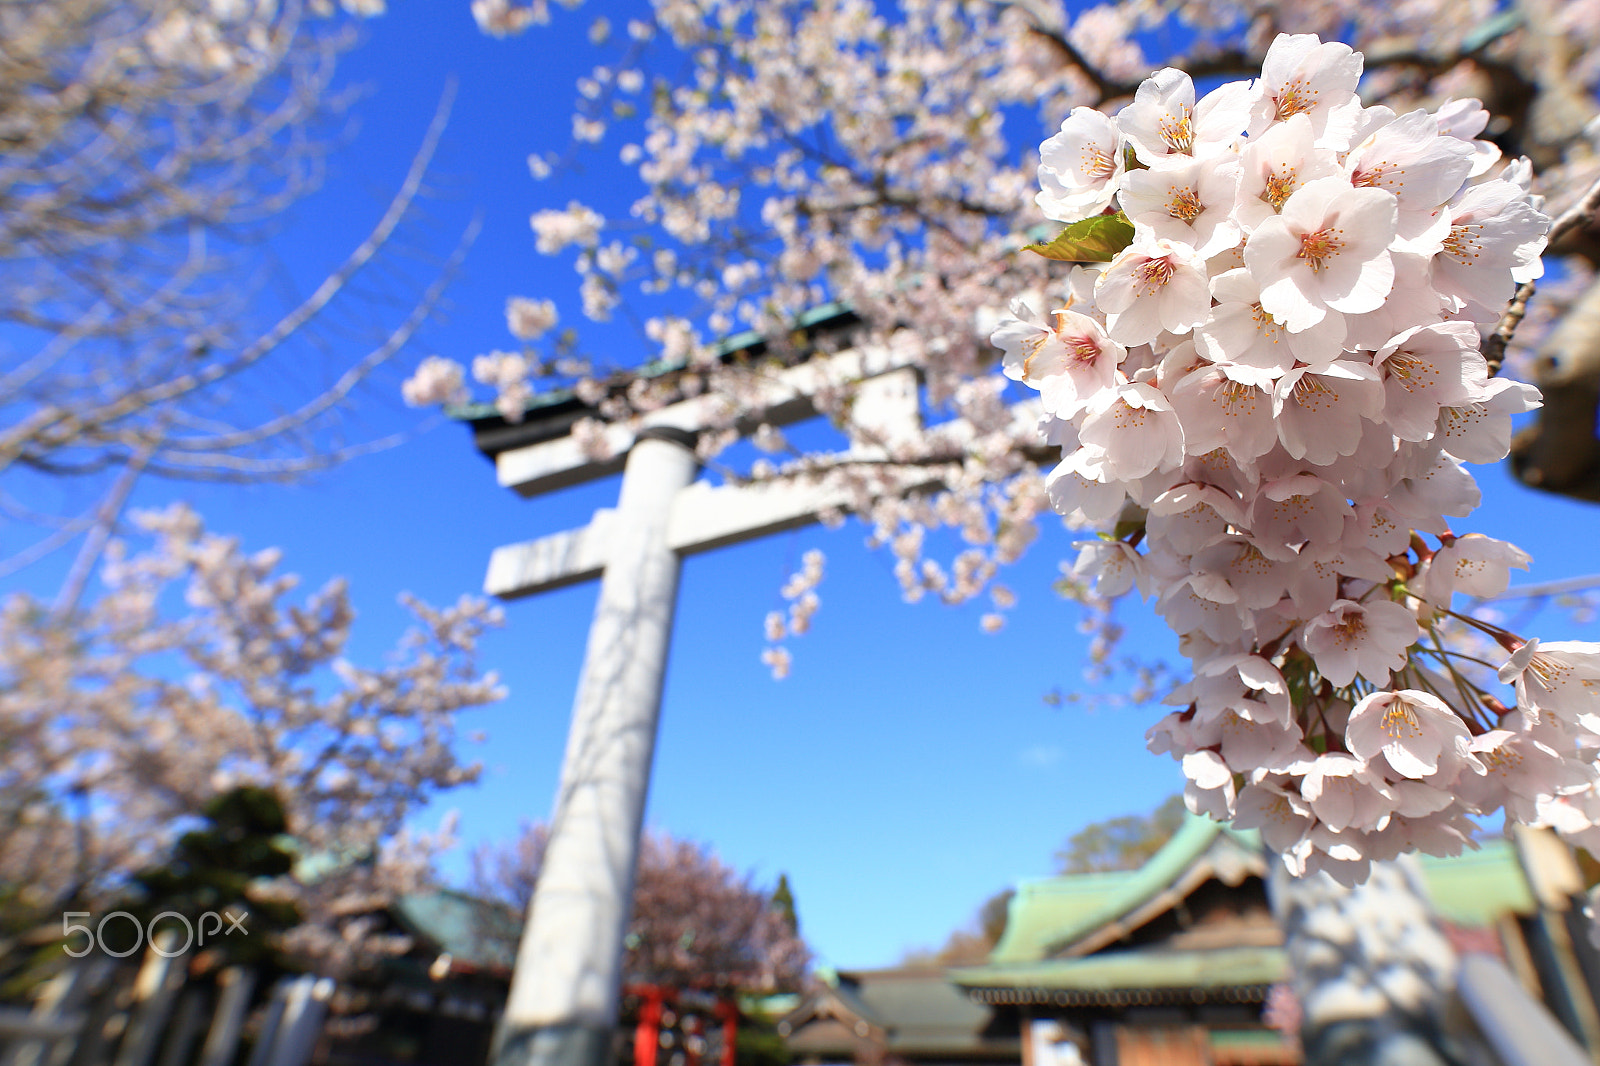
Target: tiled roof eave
{"points": [[1119, 997]]}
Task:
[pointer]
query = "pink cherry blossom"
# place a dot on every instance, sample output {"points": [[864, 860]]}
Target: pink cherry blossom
{"points": [[1155, 285], [1302, 75], [1134, 431], [1415, 732], [1327, 251], [1319, 409], [1068, 358], [1080, 168], [1427, 368], [1369, 639], [1220, 411]]}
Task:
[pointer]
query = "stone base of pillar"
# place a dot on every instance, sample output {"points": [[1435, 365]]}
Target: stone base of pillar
{"points": [[1380, 1042], [562, 1045]]}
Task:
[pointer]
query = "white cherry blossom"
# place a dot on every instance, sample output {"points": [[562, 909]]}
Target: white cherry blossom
{"points": [[1328, 250], [1369, 639], [1154, 286], [1165, 120], [1472, 564], [1113, 566], [1275, 164], [1560, 678], [1415, 732], [1190, 515], [1240, 332], [1302, 75], [1406, 156], [1080, 167], [1187, 201], [1480, 431], [1493, 231]]}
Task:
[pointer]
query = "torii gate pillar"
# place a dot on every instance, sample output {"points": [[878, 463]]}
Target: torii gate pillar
{"points": [[562, 1006], [564, 991]]}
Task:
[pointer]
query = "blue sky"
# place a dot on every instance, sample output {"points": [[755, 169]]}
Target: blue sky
{"points": [[907, 769]]}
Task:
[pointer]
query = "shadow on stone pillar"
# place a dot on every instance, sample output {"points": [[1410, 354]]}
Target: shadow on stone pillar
{"points": [[1374, 974]]}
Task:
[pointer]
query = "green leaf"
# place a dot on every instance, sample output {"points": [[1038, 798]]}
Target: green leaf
{"points": [[1091, 240]]}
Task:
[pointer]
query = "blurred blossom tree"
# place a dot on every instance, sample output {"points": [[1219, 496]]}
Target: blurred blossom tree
{"points": [[696, 922], [147, 150], [193, 675]]}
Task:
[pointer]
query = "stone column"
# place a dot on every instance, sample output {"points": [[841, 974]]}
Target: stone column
{"points": [[1374, 974], [564, 994]]}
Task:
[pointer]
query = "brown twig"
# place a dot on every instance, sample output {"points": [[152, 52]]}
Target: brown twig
{"points": [[1580, 213]]}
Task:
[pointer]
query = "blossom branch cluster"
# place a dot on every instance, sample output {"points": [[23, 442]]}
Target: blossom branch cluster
{"points": [[1270, 389], [121, 721], [790, 153], [801, 593]]}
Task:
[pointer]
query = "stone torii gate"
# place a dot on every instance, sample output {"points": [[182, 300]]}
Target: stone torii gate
{"points": [[563, 1002]]}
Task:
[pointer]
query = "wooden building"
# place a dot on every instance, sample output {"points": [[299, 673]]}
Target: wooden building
{"points": [[1174, 963], [894, 1018]]}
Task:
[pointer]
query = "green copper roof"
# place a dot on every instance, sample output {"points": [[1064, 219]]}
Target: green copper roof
{"points": [[1049, 914], [1478, 887], [1110, 971], [477, 932]]}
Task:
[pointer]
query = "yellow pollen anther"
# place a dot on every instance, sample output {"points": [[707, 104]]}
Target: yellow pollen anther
{"points": [[1313, 393], [1084, 349], [1464, 244], [1185, 204], [1096, 163], [1177, 129], [1152, 275], [1317, 248], [1295, 99], [1399, 719], [1279, 188]]}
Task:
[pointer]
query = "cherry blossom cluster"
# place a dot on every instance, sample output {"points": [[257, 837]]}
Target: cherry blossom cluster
{"points": [[1269, 391], [800, 592], [200, 668]]}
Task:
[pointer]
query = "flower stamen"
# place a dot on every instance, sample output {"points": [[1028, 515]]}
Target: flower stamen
{"points": [[1317, 248], [1296, 99], [1185, 204], [1464, 244], [1279, 187], [1177, 129]]}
